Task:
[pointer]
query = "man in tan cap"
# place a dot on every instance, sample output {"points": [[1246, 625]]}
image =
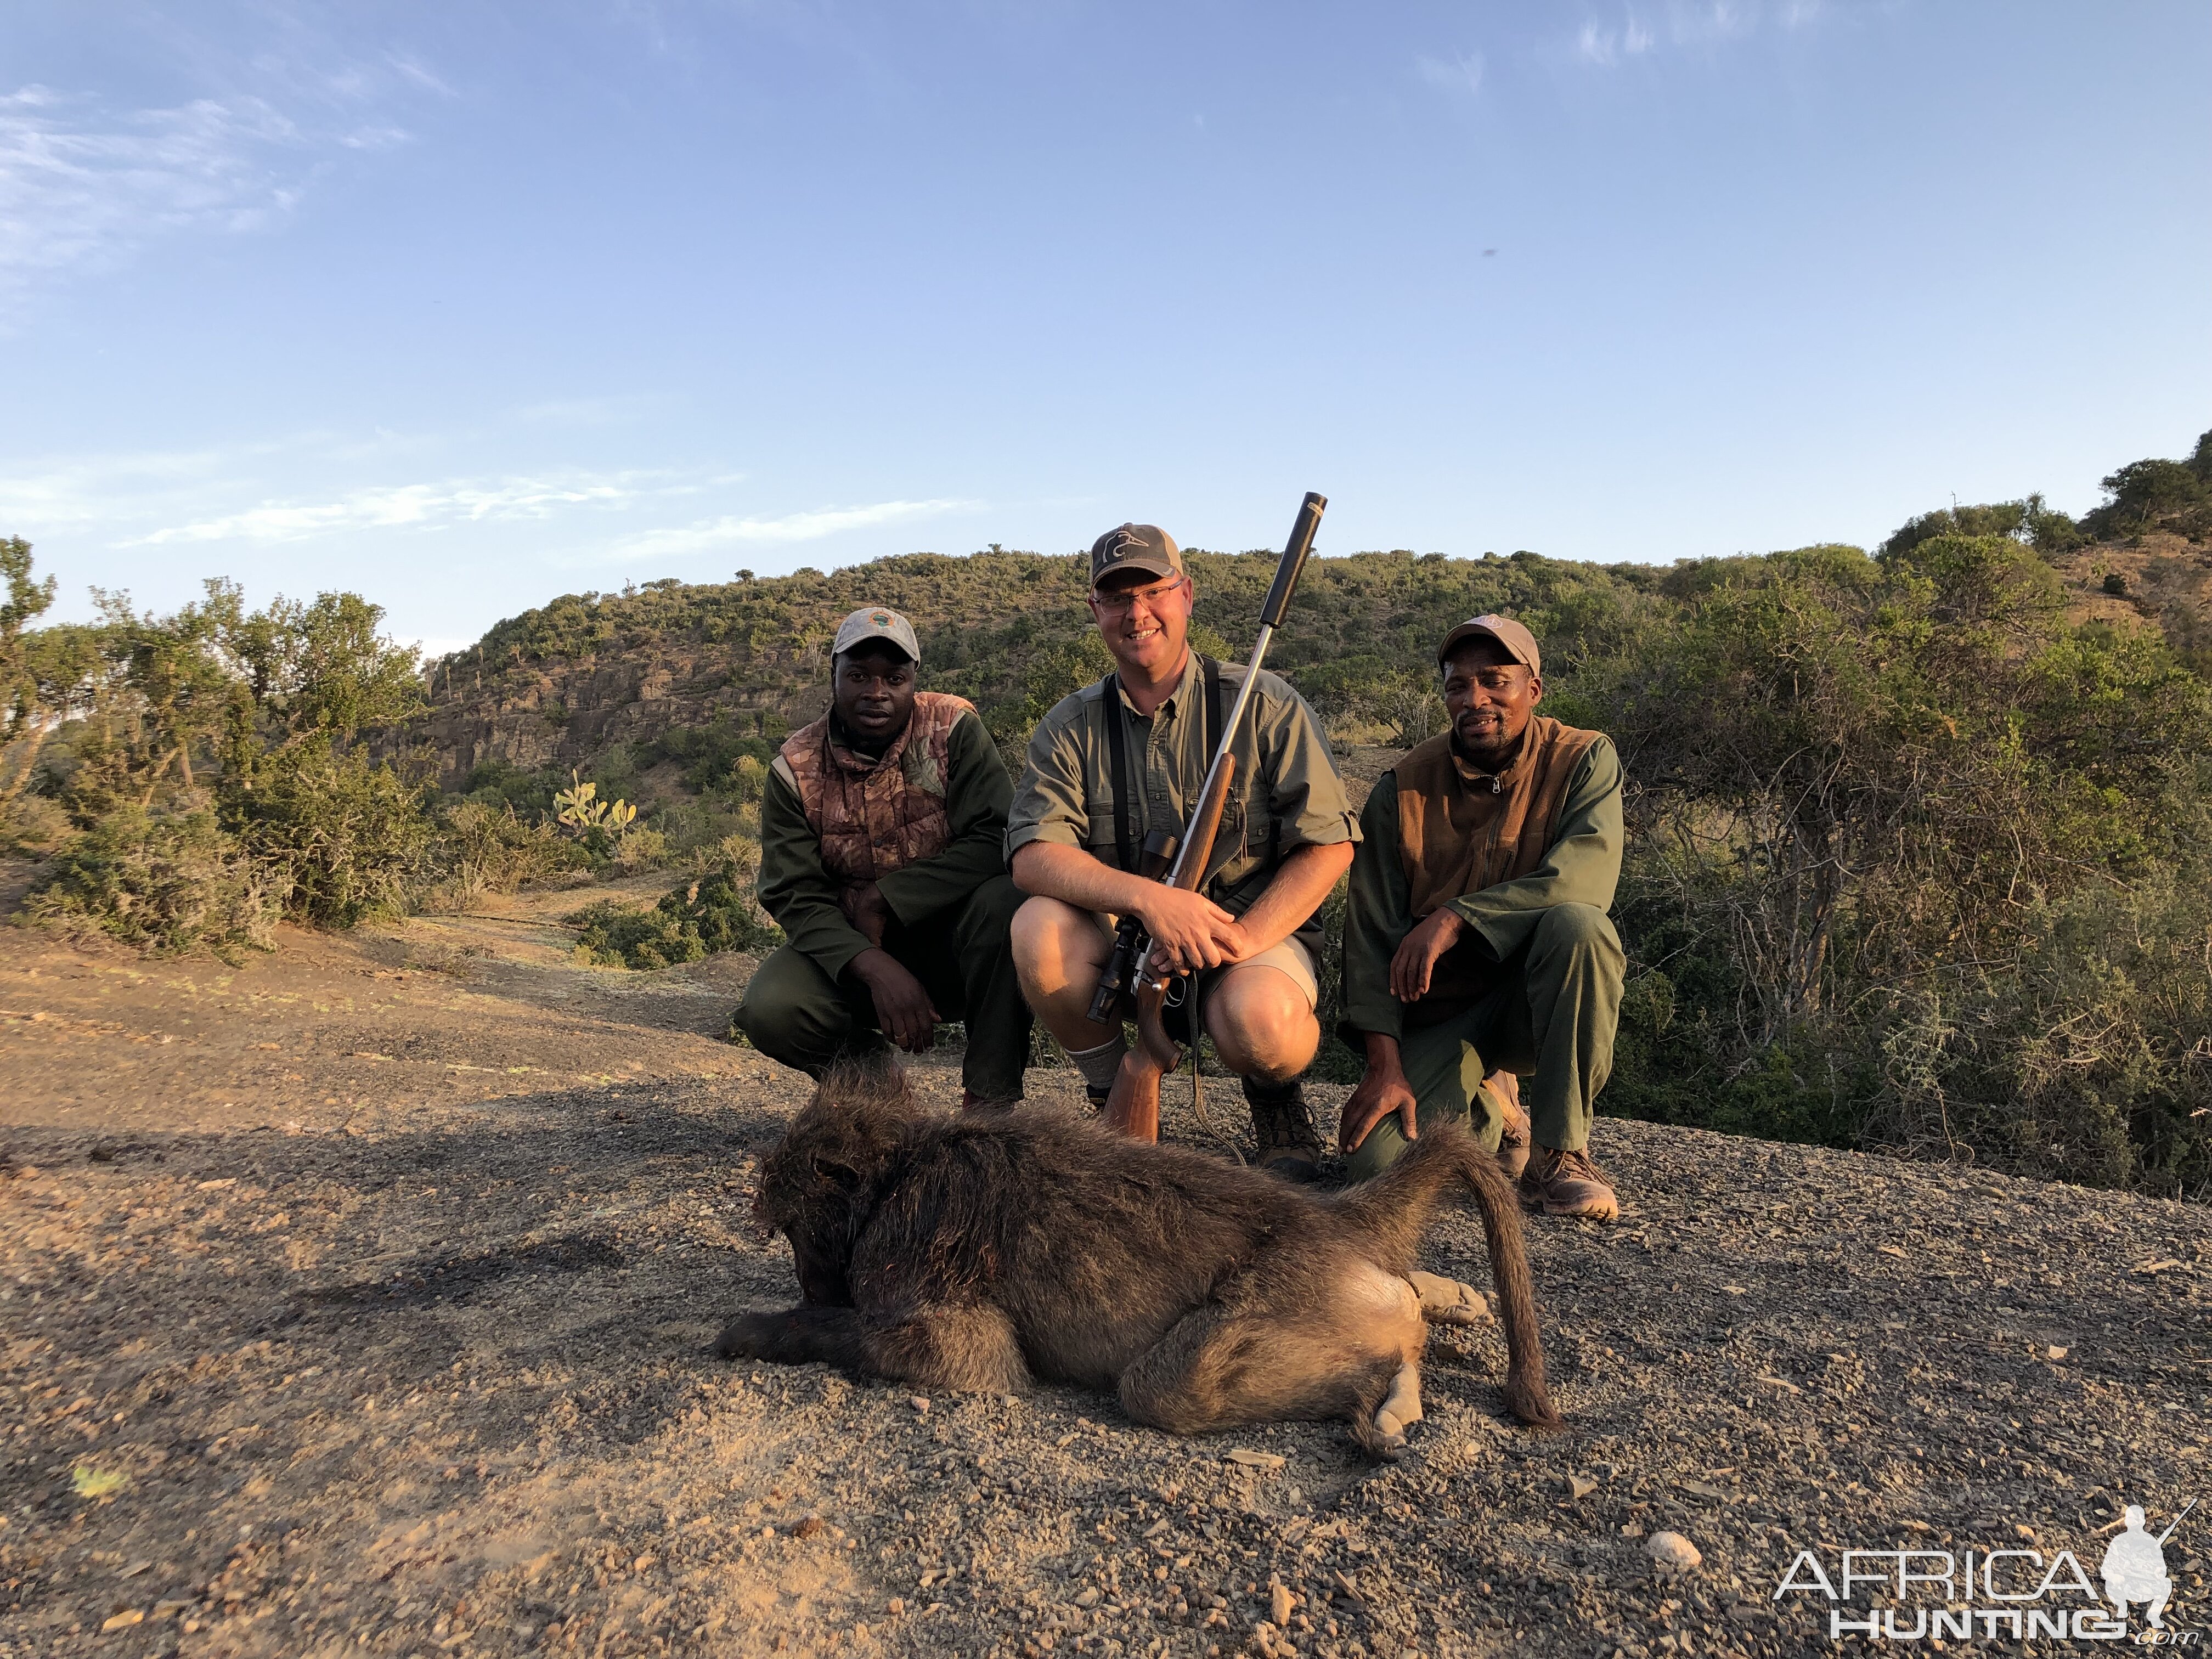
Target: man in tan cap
{"points": [[1117, 760], [1476, 945], [882, 858]]}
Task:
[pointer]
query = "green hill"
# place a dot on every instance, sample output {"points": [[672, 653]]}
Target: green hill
{"points": [[1920, 840]]}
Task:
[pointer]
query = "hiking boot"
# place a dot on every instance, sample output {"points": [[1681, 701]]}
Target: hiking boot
{"points": [[1284, 1130], [1567, 1184], [1096, 1098], [1513, 1139], [972, 1102]]}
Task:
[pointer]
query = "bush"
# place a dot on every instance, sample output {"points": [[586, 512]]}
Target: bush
{"points": [[715, 913], [639, 848], [345, 839], [33, 825], [165, 882], [482, 848]]}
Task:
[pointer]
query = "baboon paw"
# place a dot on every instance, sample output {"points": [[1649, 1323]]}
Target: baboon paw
{"points": [[1382, 1437], [1449, 1301], [749, 1336]]}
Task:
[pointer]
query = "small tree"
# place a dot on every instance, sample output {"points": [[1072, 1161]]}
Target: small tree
{"points": [[22, 710]]}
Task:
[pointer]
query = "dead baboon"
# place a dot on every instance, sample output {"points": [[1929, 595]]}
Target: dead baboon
{"points": [[982, 1251]]}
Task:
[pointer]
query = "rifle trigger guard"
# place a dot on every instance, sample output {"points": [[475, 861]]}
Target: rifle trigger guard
{"points": [[1176, 991]]}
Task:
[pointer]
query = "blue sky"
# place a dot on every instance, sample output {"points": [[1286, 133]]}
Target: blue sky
{"points": [[466, 306]]}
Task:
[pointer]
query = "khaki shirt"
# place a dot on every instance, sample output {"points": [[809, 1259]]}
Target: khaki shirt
{"points": [[1285, 794]]}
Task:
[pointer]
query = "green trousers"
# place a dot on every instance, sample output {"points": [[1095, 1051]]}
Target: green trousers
{"points": [[794, 1012], [1550, 1019]]}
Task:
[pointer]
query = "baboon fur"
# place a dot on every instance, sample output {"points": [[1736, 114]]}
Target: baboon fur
{"points": [[982, 1251]]}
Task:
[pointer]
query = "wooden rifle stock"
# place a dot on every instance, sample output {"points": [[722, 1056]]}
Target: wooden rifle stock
{"points": [[1134, 1106]]}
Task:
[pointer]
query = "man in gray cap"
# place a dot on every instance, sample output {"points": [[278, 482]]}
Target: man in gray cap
{"points": [[1117, 761], [881, 858], [1476, 944]]}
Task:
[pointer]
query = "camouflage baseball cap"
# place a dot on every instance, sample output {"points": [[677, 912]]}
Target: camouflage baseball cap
{"points": [[1144, 547], [874, 621], [1520, 644]]}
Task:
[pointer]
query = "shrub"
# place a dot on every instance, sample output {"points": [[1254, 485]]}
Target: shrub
{"points": [[482, 848], [166, 882], [639, 848], [715, 913], [345, 839]]}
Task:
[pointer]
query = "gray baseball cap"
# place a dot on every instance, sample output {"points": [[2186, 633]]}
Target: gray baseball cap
{"points": [[874, 621], [1144, 547]]}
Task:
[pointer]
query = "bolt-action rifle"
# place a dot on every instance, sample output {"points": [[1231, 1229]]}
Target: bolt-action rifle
{"points": [[1183, 861]]}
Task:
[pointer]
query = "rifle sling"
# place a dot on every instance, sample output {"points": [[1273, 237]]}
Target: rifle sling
{"points": [[1117, 746]]}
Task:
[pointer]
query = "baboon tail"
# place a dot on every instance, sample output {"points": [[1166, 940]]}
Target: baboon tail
{"points": [[1394, 1208], [1526, 1395]]}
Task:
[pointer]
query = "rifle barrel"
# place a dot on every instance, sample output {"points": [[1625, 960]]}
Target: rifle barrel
{"points": [[1287, 571]]}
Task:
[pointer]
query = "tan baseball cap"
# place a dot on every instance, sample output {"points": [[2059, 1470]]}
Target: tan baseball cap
{"points": [[1144, 547], [874, 621], [1520, 644]]}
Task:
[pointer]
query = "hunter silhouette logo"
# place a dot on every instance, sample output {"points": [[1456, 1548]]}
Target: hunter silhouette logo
{"points": [[2019, 1595], [2135, 1566]]}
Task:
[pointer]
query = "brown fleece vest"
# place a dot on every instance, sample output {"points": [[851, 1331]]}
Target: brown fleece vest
{"points": [[1462, 829], [873, 817]]}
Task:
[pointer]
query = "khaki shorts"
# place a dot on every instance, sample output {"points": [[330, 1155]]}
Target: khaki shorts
{"points": [[1290, 958]]}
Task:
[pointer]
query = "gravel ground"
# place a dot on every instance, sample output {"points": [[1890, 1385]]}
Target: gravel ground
{"points": [[359, 1299]]}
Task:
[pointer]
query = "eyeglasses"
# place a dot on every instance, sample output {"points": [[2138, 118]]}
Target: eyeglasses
{"points": [[1119, 604]]}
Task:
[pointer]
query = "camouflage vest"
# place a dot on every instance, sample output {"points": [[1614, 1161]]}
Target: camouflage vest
{"points": [[873, 817]]}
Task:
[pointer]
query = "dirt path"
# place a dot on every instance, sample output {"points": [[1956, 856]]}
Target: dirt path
{"points": [[357, 1299]]}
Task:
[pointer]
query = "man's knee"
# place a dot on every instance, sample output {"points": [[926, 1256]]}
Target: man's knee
{"points": [[1261, 1025], [1385, 1145], [1578, 928], [792, 1011], [1047, 931], [992, 910]]}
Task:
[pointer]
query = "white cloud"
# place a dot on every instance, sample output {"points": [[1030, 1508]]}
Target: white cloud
{"points": [[309, 487], [1461, 74], [84, 185], [417, 75], [712, 533], [1682, 24], [1605, 45], [79, 186], [418, 506]]}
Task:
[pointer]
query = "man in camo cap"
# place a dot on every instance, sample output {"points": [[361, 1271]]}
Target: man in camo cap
{"points": [[882, 858], [1115, 760]]}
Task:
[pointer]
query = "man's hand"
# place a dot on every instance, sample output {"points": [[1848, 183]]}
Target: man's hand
{"points": [[1381, 1093], [870, 912], [1235, 944], [1189, 931], [1419, 951], [903, 1009]]}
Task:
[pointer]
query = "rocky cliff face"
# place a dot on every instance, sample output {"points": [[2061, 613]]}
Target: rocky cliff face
{"points": [[564, 712], [557, 685]]}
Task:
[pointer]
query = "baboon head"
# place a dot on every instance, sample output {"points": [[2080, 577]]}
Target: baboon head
{"points": [[818, 1187]]}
